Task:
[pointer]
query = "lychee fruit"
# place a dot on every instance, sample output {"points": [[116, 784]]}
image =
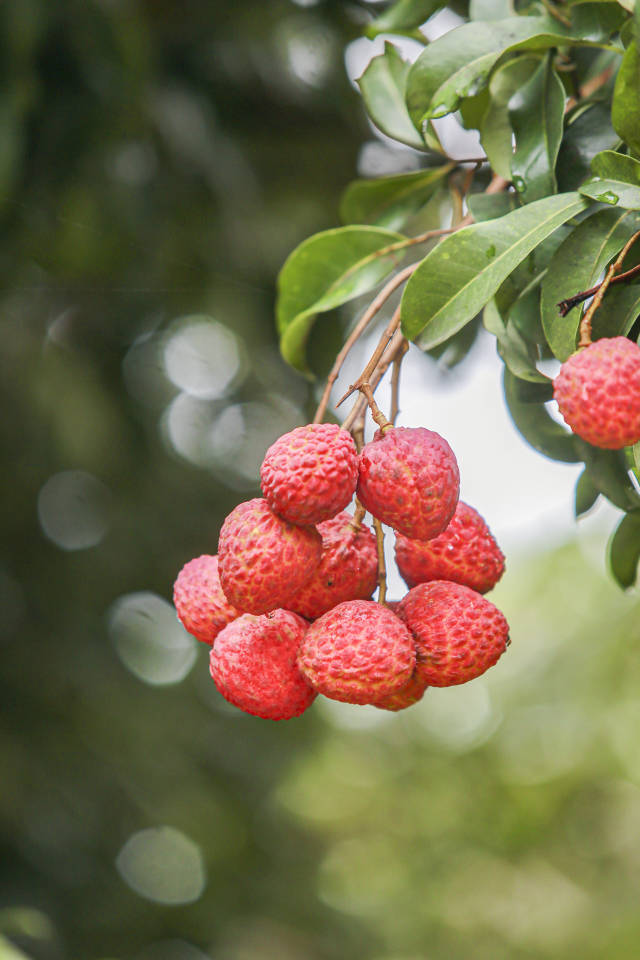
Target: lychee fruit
{"points": [[200, 603], [465, 552], [409, 479], [348, 569], [406, 697], [358, 652], [458, 633], [263, 560], [598, 393], [309, 475], [253, 665]]}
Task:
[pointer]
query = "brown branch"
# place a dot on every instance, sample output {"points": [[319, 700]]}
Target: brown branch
{"points": [[382, 569], [585, 323], [376, 412], [564, 306], [549, 7], [360, 406], [383, 342], [358, 517]]}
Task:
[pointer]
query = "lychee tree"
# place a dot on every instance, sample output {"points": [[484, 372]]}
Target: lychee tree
{"points": [[538, 241]]}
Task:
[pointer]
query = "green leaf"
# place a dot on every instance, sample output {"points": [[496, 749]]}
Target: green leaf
{"points": [[576, 266], [624, 550], [383, 86], [614, 192], [540, 430], [609, 165], [536, 113], [532, 269], [585, 496], [625, 109], [490, 9], [524, 314], [458, 64], [496, 133], [325, 271], [617, 313], [403, 16], [588, 132], [461, 274], [514, 350], [390, 201], [607, 471], [490, 206]]}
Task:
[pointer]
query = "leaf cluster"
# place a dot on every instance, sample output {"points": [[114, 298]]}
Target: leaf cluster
{"points": [[553, 90]]}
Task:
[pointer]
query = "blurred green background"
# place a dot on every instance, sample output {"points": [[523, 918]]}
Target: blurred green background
{"points": [[158, 161]]}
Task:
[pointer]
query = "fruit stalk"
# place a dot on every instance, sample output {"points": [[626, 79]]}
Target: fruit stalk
{"points": [[585, 323]]}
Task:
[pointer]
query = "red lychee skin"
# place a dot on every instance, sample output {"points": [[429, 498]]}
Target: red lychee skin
{"points": [[348, 569], [200, 603], [409, 480], [411, 693], [309, 475], [465, 552], [598, 393], [359, 652], [263, 560], [458, 633], [253, 665]]}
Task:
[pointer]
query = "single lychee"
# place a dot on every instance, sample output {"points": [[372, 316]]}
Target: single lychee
{"points": [[411, 693], [598, 393], [409, 479], [348, 569], [358, 652], [309, 475], [458, 633], [200, 603], [253, 665], [465, 552], [263, 560]]}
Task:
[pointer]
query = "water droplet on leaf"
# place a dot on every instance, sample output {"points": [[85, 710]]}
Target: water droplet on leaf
{"points": [[519, 184], [490, 252], [608, 197]]}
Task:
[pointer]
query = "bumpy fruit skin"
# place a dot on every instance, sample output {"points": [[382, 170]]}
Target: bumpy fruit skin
{"points": [[263, 560], [348, 569], [458, 633], [359, 652], [465, 552], [309, 475], [598, 393], [406, 697], [253, 665], [409, 479], [200, 603]]}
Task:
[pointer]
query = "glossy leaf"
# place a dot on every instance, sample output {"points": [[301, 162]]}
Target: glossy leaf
{"points": [[539, 429], [383, 86], [514, 350], [461, 274], [576, 266], [390, 201], [524, 314], [624, 550], [585, 495], [532, 269], [490, 206], [610, 165], [496, 132], [625, 109], [403, 16], [588, 132], [457, 64], [607, 471], [536, 113], [614, 192], [325, 271]]}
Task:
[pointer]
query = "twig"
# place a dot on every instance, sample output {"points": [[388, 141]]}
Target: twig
{"points": [[395, 381], [358, 517], [564, 306], [382, 569], [555, 13], [387, 359], [388, 333], [585, 323], [376, 412]]}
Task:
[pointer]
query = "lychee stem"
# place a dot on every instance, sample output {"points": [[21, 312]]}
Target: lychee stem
{"points": [[382, 569], [360, 404], [376, 412], [383, 343], [585, 323], [358, 517]]}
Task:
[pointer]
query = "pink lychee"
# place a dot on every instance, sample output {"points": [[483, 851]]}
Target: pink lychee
{"points": [[411, 693], [348, 569], [253, 665], [358, 652], [263, 560], [309, 475], [598, 393], [458, 633], [409, 479], [465, 552], [200, 603]]}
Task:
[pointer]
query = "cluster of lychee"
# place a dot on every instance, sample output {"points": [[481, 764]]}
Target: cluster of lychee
{"points": [[286, 604]]}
